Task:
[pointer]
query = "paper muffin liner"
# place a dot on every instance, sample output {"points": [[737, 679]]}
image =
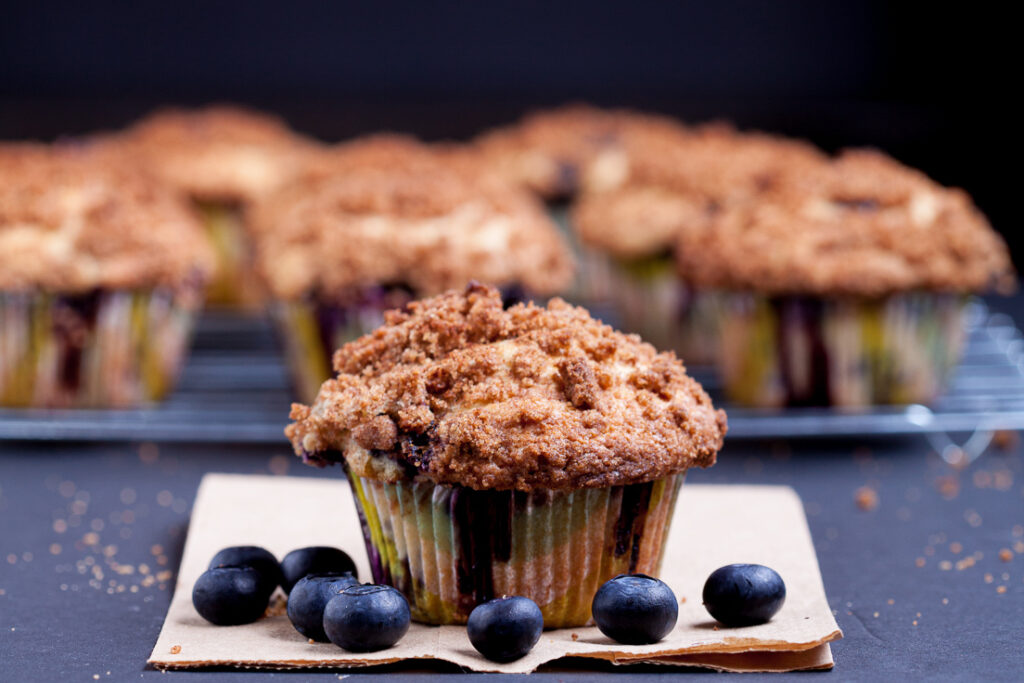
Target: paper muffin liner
{"points": [[450, 548], [806, 351], [104, 349], [311, 331], [234, 283], [648, 298]]}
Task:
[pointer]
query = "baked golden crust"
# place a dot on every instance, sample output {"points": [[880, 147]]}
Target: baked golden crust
{"points": [[467, 393], [388, 210], [75, 219], [639, 197], [862, 225], [557, 152], [219, 153]]}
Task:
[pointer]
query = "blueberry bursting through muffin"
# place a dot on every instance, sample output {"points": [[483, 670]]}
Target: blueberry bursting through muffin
{"points": [[507, 451]]}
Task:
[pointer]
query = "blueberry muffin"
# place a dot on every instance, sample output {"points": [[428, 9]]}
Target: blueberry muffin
{"points": [[223, 158], [845, 286], [508, 451], [101, 273], [555, 153], [638, 201], [379, 222]]}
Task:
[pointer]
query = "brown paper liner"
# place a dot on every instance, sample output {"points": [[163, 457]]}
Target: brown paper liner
{"points": [[450, 548]]}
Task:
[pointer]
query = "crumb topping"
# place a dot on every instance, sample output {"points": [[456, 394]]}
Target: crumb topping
{"points": [[391, 210], [557, 152], [218, 153], [862, 224], [459, 390], [74, 219]]}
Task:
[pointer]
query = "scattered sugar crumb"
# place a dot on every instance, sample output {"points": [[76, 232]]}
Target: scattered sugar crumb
{"points": [[945, 566], [955, 548], [876, 615], [945, 601], [1005, 554], [1001, 590], [920, 562], [866, 498], [915, 622], [989, 578], [175, 649], [891, 601]]}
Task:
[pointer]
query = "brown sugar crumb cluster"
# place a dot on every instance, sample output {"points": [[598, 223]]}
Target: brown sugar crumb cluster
{"points": [[861, 225], [558, 152], [389, 209], [219, 153], [74, 219], [464, 392], [657, 186]]}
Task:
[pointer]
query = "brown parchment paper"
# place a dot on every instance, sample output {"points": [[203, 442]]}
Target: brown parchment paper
{"points": [[713, 526]]}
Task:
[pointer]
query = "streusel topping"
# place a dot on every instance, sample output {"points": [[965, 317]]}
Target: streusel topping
{"points": [[74, 220], [390, 210], [558, 152], [862, 225], [460, 391], [219, 153]]}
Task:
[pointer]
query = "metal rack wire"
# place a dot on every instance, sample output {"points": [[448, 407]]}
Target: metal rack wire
{"points": [[235, 389]]}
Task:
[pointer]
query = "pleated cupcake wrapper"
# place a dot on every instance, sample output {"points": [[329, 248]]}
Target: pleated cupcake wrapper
{"points": [[791, 351], [104, 349], [234, 283], [649, 299], [450, 548], [312, 332]]}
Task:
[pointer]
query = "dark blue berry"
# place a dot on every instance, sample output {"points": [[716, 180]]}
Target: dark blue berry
{"points": [[744, 594], [635, 609], [505, 629], [314, 560], [366, 618], [260, 559], [308, 599], [227, 596]]}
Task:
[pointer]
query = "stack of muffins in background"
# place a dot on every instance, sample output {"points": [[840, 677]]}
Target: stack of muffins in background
{"points": [[807, 279]]}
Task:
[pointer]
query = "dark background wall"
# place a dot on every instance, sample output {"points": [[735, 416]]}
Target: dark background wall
{"points": [[931, 87]]}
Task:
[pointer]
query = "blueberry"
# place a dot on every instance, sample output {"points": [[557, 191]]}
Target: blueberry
{"points": [[227, 596], [366, 618], [314, 560], [310, 596], [744, 594], [635, 609], [505, 629], [260, 559]]}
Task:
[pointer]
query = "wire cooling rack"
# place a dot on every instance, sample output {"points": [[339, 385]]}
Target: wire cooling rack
{"points": [[235, 389]]}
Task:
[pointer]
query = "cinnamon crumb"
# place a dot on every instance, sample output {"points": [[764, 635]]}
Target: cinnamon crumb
{"points": [[955, 548], [866, 498], [1005, 439], [175, 649], [920, 562], [575, 636], [1001, 590], [1006, 555]]}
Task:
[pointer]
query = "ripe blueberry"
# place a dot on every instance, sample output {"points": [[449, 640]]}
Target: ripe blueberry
{"points": [[314, 560], [366, 618], [310, 596], [260, 559], [227, 596], [744, 594], [635, 609], [505, 629]]}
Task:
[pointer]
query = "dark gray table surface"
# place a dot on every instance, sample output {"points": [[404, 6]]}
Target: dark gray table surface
{"points": [[917, 583]]}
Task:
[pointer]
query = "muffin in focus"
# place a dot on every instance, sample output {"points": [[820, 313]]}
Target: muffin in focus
{"points": [[101, 273], [845, 286], [376, 223], [523, 451], [629, 218], [223, 158]]}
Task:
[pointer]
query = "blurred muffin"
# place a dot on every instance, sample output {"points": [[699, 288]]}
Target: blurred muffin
{"points": [[378, 222], [638, 201], [520, 451], [845, 286], [223, 158], [555, 153], [101, 273]]}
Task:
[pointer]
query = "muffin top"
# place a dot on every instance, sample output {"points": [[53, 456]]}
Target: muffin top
{"points": [[641, 196], [219, 153], [391, 210], [554, 152], [73, 220], [460, 391], [862, 225]]}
